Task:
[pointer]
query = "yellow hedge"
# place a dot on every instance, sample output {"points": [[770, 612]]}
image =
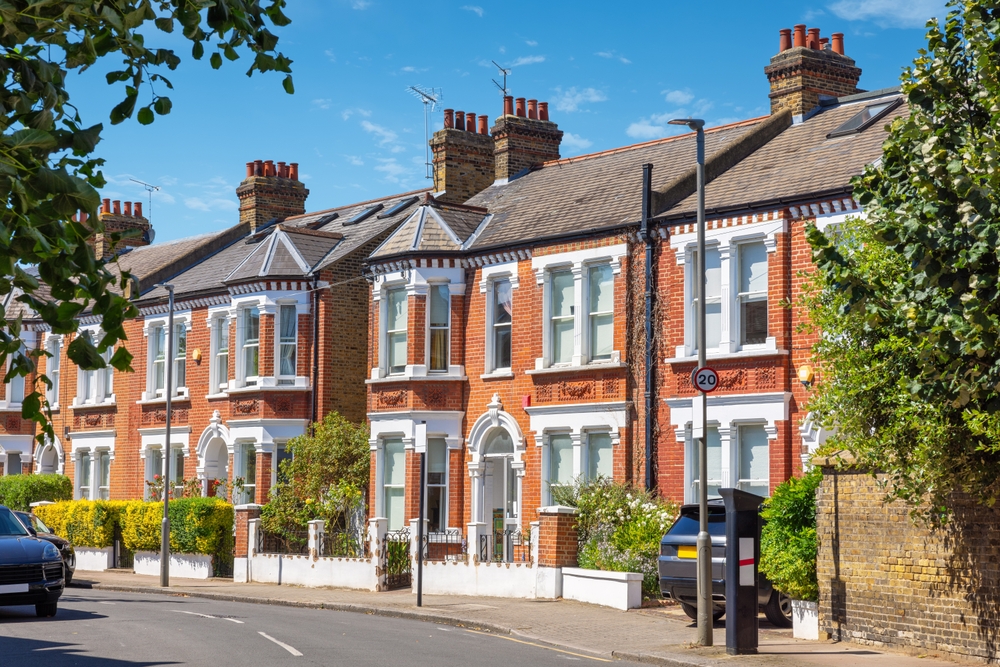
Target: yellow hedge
{"points": [[85, 523]]}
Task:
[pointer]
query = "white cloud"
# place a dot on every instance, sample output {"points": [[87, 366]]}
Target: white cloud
{"points": [[207, 205], [646, 129], [657, 125], [503, 49], [574, 143], [161, 197], [360, 4], [331, 55], [394, 172], [571, 99], [475, 9], [347, 113], [354, 160], [679, 97], [611, 54], [411, 68], [527, 60], [168, 180], [322, 103], [531, 42], [385, 135], [889, 13]]}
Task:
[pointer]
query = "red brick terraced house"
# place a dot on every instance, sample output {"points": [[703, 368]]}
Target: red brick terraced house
{"points": [[270, 324], [508, 309]]}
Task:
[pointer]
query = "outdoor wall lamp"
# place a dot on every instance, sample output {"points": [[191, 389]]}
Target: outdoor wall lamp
{"points": [[196, 355], [806, 375]]}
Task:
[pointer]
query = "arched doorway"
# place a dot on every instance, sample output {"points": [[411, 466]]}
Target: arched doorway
{"points": [[48, 460], [216, 463], [500, 495]]}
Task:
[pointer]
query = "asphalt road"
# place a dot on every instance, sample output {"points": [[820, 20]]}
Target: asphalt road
{"points": [[109, 629]]}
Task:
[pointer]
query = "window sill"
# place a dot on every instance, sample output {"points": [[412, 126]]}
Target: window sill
{"points": [[497, 375], [256, 389], [163, 401], [391, 379], [744, 354], [221, 394], [87, 406], [586, 368]]}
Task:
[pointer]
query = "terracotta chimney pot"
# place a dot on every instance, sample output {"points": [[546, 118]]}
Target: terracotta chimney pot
{"points": [[470, 122], [128, 209], [138, 209], [837, 42], [116, 207], [484, 122], [533, 109], [785, 39], [459, 120], [519, 107], [543, 111], [269, 167], [823, 42], [106, 206], [281, 170], [800, 35], [449, 118], [508, 105], [249, 169], [813, 38], [258, 167], [293, 171]]}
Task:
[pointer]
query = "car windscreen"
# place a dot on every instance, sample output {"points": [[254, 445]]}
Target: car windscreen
{"points": [[688, 525], [39, 526], [9, 525]]}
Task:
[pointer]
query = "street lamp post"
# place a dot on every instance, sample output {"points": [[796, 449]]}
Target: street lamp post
{"points": [[168, 391], [704, 539]]}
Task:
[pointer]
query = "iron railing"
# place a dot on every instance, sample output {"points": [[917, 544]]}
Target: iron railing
{"points": [[344, 544], [289, 542], [505, 546], [222, 559], [445, 546], [123, 558], [396, 561]]}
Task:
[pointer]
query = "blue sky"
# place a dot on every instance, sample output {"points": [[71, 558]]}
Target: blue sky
{"points": [[613, 73]]}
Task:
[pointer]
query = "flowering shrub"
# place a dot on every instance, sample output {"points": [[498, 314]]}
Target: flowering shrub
{"points": [[619, 528]]}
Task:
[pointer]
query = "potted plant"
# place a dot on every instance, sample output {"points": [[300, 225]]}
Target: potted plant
{"points": [[788, 549]]}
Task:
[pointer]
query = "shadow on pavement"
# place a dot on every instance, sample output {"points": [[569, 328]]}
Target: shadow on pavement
{"points": [[23, 614], [57, 654]]}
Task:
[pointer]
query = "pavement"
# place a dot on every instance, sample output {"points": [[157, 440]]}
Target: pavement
{"points": [[655, 635]]}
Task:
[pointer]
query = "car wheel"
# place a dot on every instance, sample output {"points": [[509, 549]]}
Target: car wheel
{"points": [[692, 612], [778, 610], [46, 609]]}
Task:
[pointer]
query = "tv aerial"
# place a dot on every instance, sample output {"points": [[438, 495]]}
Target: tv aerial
{"points": [[504, 73], [150, 189], [430, 97]]}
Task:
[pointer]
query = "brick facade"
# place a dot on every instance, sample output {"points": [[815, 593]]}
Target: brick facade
{"points": [[801, 76]]}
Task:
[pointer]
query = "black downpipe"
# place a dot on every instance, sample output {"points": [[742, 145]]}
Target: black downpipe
{"points": [[647, 237], [315, 359]]}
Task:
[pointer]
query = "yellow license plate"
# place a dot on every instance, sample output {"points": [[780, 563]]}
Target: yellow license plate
{"points": [[687, 552]]}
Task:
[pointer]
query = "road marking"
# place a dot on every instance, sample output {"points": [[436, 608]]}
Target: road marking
{"points": [[192, 613], [290, 649], [231, 620], [557, 650], [105, 602]]}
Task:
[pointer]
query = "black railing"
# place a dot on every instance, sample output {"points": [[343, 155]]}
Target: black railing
{"points": [[222, 559], [396, 561], [289, 542], [505, 546], [122, 558], [445, 546], [344, 544]]}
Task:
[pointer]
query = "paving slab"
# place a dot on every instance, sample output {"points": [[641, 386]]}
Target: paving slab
{"points": [[658, 635]]}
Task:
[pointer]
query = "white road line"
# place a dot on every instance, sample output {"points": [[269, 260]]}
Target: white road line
{"points": [[232, 620], [104, 602], [192, 613], [290, 649]]}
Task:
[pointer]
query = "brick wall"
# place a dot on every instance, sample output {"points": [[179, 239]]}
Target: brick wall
{"points": [[886, 581], [266, 198], [243, 515], [557, 538], [799, 76], [524, 142], [463, 164]]}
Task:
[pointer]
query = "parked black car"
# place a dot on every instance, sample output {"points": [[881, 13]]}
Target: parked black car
{"points": [[37, 528], [31, 570], [678, 567]]}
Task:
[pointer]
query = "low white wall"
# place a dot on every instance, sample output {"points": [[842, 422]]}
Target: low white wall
{"points": [[805, 620], [356, 573], [185, 566], [621, 590], [501, 580], [90, 559]]}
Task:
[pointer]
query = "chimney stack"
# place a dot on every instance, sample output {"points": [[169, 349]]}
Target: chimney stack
{"points": [[524, 141], [270, 192], [463, 157], [805, 73], [115, 220]]}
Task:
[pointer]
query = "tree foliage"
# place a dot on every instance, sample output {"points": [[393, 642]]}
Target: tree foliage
{"points": [[788, 545], [908, 301], [48, 171]]}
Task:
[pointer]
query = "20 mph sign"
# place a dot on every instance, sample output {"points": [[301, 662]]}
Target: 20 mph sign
{"points": [[705, 379]]}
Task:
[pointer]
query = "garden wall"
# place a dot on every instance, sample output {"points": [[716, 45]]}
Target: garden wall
{"points": [[886, 581]]}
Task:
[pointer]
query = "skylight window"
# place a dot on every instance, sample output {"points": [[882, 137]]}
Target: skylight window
{"points": [[363, 215], [865, 118], [398, 207]]}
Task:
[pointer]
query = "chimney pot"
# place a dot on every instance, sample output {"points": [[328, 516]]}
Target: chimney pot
{"points": [[258, 167], [508, 105], [837, 42], [470, 121], [543, 111], [281, 170], [269, 167], [449, 118], [800, 35], [106, 206], [533, 109], [823, 43], [785, 39], [116, 207], [293, 171], [460, 120], [519, 107], [813, 38], [138, 209], [484, 122], [128, 209], [249, 169]]}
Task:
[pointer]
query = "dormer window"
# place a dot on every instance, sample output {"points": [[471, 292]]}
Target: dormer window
{"points": [[865, 118]]}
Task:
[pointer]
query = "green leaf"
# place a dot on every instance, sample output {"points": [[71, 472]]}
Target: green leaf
{"points": [[165, 24], [32, 139], [123, 110], [84, 141], [162, 105], [216, 60], [198, 50], [145, 116], [288, 85]]}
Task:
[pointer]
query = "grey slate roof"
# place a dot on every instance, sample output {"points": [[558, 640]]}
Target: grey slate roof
{"points": [[433, 227]]}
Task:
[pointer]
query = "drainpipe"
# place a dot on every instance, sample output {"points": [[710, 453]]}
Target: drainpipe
{"points": [[315, 359], [647, 237]]}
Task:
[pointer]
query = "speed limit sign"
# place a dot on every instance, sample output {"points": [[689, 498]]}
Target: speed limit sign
{"points": [[705, 379]]}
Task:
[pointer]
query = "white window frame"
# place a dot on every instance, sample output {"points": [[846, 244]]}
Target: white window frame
{"points": [[741, 483], [429, 328], [445, 505], [727, 239], [20, 463], [380, 485], [748, 297], [103, 489], [244, 379], [181, 319], [219, 385], [53, 368], [268, 304], [84, 490], [579, 262], [240, 470], [491, 275], [95, 387], [276, 458], [91, 443], [575, 439], [286, 380], [16, 381], [389, 332]]}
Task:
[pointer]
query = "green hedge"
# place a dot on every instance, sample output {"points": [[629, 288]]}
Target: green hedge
{"points": [[788, 544], [197, 525], [18, 491]]}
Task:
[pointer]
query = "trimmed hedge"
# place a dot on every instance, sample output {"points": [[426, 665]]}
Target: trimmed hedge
{"points": [[788, 544], [18, 491], [197, 525]]}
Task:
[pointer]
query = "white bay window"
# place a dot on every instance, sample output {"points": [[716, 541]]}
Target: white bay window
{"points": [[288, 326], [166, 347], [395, 340]]}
